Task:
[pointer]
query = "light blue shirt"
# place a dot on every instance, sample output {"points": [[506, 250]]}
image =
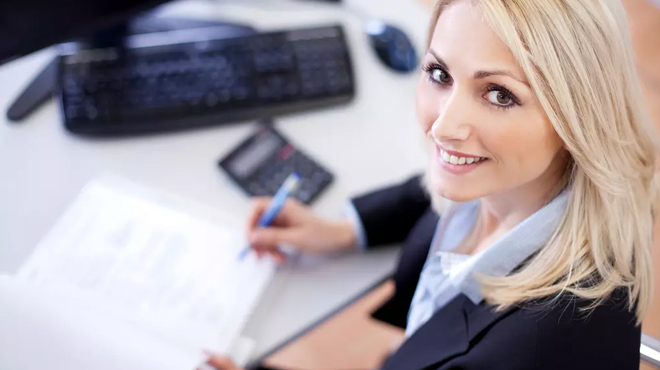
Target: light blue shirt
{"points": [[446, 275]]}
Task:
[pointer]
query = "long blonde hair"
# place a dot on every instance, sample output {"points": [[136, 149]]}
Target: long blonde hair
{"points": [[577, 57]]}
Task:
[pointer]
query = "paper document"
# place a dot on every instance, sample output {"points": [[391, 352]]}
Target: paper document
{"points": [[152, 265], [46, 329]]}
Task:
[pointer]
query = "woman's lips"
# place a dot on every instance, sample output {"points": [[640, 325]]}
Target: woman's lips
{"points": [[458, 163]]}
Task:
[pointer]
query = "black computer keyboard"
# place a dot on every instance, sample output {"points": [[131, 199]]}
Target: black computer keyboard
{"points": [[201, 83]]}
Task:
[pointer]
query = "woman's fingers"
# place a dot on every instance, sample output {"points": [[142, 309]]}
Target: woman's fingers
{"points": [[275, 253], [294, 226], [292, 212], [278, 255], [257, 208], [269, 238], [221, 362]]}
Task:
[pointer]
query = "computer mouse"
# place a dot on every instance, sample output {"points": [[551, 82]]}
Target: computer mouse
{"points": [[392, 46]]}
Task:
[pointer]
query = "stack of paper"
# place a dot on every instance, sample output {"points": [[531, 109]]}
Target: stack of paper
{"points": [[129, 279]]}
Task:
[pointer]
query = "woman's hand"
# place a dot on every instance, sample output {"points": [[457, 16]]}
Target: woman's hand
{"points": [[221, 362], [297, 226]]}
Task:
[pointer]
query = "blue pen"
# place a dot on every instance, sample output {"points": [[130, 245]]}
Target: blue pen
{"points": [[288, 187]]}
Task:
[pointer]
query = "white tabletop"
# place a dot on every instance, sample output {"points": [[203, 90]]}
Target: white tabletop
{"points": [[373, 141]]}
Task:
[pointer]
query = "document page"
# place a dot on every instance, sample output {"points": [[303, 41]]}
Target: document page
{"points": [[48, 329], [156, 266]]}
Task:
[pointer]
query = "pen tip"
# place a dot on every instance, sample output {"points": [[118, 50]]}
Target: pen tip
{"points": [[243, 253]]}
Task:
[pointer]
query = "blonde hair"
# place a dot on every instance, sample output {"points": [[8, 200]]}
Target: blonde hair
{"points": [[577, 57]]}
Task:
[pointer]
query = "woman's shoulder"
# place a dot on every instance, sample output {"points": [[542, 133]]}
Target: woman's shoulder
{"points": [[569, 327], [568, 308]]}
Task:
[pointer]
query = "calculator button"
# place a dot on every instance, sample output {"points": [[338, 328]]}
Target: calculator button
{"points": [[267, 173], [264, 178], [307, 185], [304, 196], [306, 167], [286, 152], [272, 186], [255, 189], [317, 177], [280, 177]]}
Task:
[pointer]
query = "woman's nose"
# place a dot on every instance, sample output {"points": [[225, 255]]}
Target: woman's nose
{"points": [[453, 120]]}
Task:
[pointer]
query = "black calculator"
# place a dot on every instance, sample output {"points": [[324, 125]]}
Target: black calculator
{"points": [[261, 163]]}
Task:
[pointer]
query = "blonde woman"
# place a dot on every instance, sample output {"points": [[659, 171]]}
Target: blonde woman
{"points": [[538, 137]]}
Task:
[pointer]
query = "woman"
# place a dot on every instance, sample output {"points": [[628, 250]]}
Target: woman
{"points": [[539, 139]]}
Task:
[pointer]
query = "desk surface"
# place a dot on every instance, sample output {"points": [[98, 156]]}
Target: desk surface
{"points": [[371, 142]]}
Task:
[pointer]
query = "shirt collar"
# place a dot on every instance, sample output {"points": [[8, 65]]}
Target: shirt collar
{"points": [[510, 250]]}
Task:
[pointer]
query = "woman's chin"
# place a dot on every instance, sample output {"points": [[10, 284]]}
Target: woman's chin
{"points": [[452, 190], [455, 195]]}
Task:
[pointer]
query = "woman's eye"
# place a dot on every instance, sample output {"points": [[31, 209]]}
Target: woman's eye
{"points": [[439, 75], [499, 97]]}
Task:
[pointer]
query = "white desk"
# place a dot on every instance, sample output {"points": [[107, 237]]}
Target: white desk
{"points": [[372, 142]]}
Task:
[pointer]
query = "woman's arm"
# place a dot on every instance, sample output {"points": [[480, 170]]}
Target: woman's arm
{"points": [[387, 215]]}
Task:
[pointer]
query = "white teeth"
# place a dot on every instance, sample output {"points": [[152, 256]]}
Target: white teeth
{"points": [[459, 160], [445, 156]]}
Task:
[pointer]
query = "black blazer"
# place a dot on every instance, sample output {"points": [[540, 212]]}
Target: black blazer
{"points": [[462, 335]]}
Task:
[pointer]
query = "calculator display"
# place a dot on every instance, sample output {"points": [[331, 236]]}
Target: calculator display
{"points": [[264, 147]]}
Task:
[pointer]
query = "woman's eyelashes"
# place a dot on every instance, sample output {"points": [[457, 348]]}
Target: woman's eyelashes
{"points": [[437, 74], [498, 96]]}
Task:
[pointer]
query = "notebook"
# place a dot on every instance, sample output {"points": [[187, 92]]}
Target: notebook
{"points": [[130, 278]]}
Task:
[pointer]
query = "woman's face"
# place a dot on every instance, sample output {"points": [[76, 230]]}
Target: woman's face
{"points": [[488, 132]]}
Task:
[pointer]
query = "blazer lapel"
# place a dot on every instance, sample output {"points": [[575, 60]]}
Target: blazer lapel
{"points": [[483, 316], [444, 336]]}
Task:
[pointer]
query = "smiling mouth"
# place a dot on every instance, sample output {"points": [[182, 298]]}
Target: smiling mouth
{"points": [[459, 161]]}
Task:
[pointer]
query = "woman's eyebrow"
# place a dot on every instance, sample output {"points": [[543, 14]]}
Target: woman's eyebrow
{"points": [[484, 74], [479, 74], [439, 60]]}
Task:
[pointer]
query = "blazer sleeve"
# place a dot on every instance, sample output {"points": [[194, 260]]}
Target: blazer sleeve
{"points": [[605, 338], [387, 215]]}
